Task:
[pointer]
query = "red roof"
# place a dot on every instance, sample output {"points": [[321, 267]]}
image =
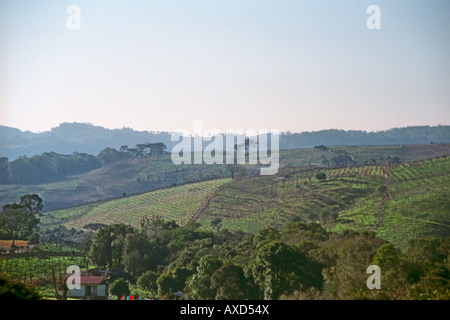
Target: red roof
{"points": [[91, 279]]}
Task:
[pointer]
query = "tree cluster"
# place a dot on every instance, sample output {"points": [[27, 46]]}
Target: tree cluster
{"points": [[301, 261], [21, 220], [13, 290], [335, 137], [51, 166]]}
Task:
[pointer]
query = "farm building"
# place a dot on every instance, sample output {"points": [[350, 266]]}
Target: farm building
{"points": [[92, 288]]}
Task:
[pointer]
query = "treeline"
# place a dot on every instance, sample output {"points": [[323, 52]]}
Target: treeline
{"points": [[395, 136], [87, 138], [301, 261], [51, 166]]}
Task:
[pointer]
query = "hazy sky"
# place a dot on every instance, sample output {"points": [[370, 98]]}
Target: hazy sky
{"points": [[280, 64]]}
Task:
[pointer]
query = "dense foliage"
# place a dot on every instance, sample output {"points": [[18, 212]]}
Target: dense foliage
{"points": [[51, 166], [16, 290], [300, 261], [20, 220]]}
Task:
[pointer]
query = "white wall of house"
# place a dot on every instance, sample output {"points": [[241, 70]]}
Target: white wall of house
{"points": [[76, 292], [101, 291]]}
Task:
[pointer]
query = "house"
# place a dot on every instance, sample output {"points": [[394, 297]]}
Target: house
{"points": [[92, 288]]}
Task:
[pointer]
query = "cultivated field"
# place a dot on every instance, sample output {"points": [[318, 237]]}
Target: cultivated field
{"points": [[134, 176], [399, 202], [178, 204]]}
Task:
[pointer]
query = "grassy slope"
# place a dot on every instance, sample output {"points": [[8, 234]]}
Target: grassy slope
{"points": [[177, 203], [133, 176], [399, 202], [293, 194], [419, 201], [130, 176], [415, 203]]}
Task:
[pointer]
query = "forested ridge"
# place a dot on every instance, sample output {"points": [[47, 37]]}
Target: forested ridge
{"points": [[51, 166], [91, 139]]}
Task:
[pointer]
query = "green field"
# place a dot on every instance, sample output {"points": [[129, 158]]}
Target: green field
{"points": [[36, 267], [399, 202], [178, 204], [291, 195], [419, 201], [371, 192], [135, 176]]}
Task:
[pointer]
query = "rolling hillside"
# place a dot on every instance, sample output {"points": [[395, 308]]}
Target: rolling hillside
{"points": [[178, 204], [398, 202], [134, 176], [129, 176]]}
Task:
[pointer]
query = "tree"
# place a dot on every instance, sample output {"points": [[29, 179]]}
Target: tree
{"points": [[346, 257], [321, 176], [111, 155], [5, 175], [280, 269], [266, 235], [144, 252], [120, 288], [199, 285], [235, 170], [394, 274], [147, 281], [158, 148], [216, 224], [108, 245], [321, 147], [21, 219], [387, 256], [341, 160], [32, 202], [230, 283], [173, 280], [16, 222]]}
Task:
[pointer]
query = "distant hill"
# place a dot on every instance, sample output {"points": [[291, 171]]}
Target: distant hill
{"points": [[87, 138], [73, 137], [395, 136]]}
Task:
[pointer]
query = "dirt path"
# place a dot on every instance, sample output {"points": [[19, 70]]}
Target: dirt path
{"points": [[203, 206]]}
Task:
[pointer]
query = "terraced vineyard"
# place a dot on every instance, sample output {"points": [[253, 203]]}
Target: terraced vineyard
{"points": [[375, 171], [398, 202], [135, 176], [37, 266], [294, 194], [178, 204], [419, 201]]}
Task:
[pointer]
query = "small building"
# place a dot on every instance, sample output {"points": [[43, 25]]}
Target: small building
{"points": [[92, 288]]}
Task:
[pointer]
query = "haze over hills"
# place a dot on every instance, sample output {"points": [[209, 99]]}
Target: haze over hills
{"points": [[72, 137], [88, 138]]}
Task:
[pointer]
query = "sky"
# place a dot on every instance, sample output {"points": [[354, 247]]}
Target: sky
{"points": [[237, 64]]}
